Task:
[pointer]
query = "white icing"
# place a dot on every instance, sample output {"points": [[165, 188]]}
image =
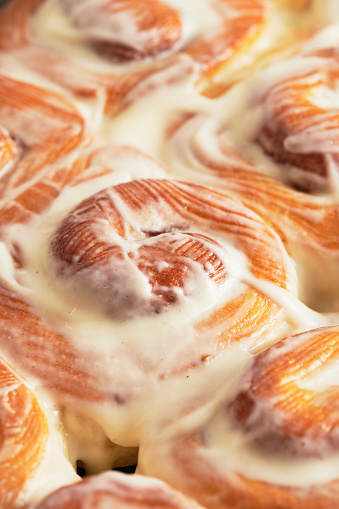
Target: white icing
{"points": [[328, 12], [136, 352], [7, 268], [53, 25], [299, 314], [204, 295], [55, 470], [230, 451], [323, 379]]}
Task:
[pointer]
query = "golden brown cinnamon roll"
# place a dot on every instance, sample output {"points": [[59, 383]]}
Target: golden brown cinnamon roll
{"points": [[273, 442], [300, 125], [201, 149], [143, 233], [205, 38], [113, 87], [120, 491], [126, 30], [158, 26], [31, 442], [191, 265]]}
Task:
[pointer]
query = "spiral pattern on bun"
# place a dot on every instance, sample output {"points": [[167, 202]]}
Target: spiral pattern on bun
{"points": [[300, 429], [169, 248], [266, 445], [153, 31], [160, 27], [300, 125], [157, 27], [202, 149], [194, 266], [55, 128], [154, 233]]}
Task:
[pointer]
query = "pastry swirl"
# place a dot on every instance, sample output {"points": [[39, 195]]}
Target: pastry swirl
{"points": [[157, 220], [299, 131], [202, 149], [185, 260], [160, 27], [166, 219], [160, 211], [55, 128], [300, 429], [266, 445], [162, 35], [157, 26]]}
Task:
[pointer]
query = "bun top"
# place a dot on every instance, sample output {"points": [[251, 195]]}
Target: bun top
{"points": [[168, 216]]}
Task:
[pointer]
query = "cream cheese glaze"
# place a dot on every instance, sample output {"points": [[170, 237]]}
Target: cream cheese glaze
{"points": [[240, 444], [142, 359], [246, 267]]}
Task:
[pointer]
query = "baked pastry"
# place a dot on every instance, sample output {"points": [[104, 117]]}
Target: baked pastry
{"points": [[187, 262], [55, 128], [265, 444], [164, 251], [201, 149], [28, 444], [305, 141]]}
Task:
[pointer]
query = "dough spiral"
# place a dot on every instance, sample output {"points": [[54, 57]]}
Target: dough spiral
{"points": [[202, 149], [163, 36], [266, 445], [157, 218], [300, 132], [169, 253]]}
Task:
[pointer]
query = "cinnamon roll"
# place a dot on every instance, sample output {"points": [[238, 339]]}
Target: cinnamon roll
{"points": [[159, 33], [200, 148], [160, 26], [112, 87], [126, 30], [191, 265], [300, 125], [42, 127], [163, 212], [24, 434], [117, 490], [272, 442], [168, 253]]}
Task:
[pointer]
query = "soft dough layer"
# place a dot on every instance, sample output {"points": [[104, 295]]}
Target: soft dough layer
{"points": [[169, 252]]}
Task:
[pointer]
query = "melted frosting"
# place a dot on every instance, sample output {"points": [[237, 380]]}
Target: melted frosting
{"points": [[152, 368]]}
